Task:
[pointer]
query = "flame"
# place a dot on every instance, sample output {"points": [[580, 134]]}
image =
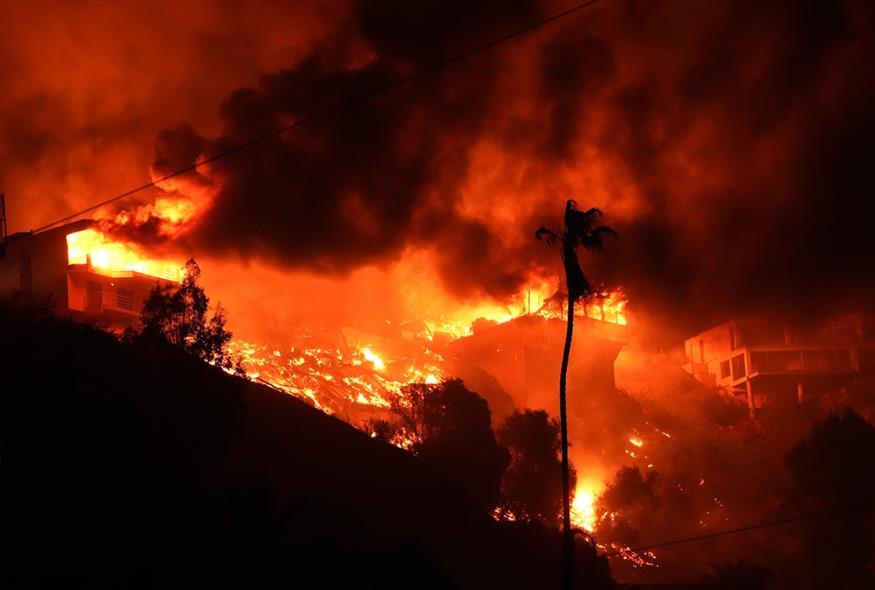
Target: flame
{"points": [[174, 213], [610, 307], [333, 378], [583, 508], [93, 248], [535, 298], [375, 360]]}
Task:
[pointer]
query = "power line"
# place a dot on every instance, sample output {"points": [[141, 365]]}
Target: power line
{"points": [[744, 529], [345, 103]]}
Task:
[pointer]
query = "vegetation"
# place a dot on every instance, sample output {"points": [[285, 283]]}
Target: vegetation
{"points": [[581, 230], [130, 463], [530, 489], [737, 575], [448, 427], [627, 496], [834, 468], [180, 316]]}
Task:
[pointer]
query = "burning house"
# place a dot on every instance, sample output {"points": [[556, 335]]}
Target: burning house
{"points": [[80, 273], [763, 362], [522, 354]]}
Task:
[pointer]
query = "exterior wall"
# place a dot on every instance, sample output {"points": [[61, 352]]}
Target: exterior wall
{"points": [[35, 266], [116, 299], [35, 269]]}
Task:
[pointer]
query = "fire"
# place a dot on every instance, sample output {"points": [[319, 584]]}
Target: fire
{"points": [[583, 512], [537, 297], [636, 441], [332, 374], [93, 248], [375, 360], [334, 379], [609, 308]]}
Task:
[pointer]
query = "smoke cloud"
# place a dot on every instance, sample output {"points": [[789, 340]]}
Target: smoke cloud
{"points": [[727, 142]]}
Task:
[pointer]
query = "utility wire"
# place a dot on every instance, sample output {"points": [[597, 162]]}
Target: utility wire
{"points": [[744, 529], [338, 106]]}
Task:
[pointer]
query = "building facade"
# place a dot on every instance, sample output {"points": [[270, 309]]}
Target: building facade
{"points": [[42, 268], [762, 362]]}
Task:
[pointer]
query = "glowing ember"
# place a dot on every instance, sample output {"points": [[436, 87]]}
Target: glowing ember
{"points": [[636, 441]]}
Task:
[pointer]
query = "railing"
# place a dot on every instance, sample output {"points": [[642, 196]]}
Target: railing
{"points": [[122, 300]]}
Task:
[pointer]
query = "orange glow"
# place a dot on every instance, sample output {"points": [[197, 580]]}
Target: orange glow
{"points": [[375, 360], [95, 249], [583, 508]]}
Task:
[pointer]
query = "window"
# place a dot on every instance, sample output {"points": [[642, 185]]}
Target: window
{"points": [[724, 369], [776, 361], [738, 366]]}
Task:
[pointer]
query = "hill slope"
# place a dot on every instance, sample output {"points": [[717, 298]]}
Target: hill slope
{"points": [[137, 465]]}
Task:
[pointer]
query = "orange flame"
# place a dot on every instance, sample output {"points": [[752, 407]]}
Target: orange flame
{"points": [[93, 248]]}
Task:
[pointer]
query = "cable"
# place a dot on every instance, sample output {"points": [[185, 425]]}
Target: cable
{"points": [[722, 533], [348, 102]]}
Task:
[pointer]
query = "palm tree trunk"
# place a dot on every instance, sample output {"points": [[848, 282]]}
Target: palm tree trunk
{"points": [[567, 534]]}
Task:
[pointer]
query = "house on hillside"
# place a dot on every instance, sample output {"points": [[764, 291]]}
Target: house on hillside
{"points": [[760, 361], [79, 276]]}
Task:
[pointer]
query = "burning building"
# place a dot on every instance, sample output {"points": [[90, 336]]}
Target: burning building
{"points": [[767, 362], [523, 354], [80, 273]]}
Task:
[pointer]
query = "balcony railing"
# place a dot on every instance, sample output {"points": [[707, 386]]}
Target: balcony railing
{"points": [[119, 300]]}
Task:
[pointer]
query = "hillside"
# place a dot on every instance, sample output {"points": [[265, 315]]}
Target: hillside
{"points": [[137, 465]]}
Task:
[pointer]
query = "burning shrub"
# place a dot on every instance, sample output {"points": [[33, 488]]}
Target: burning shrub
{"points": [[531, 484], [627, 499]]}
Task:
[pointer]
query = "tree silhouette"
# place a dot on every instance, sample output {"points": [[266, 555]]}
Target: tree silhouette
{"points": [[628, 497], [581, 230], [449, 428], [737, 574], [834, 467], [528, 485], [180, 317]]}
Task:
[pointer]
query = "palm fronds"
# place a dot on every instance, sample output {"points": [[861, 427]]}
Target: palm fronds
{"points": [[581, 230]]}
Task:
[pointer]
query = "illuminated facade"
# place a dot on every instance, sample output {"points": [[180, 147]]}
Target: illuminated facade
{"points": [[74, 281], [765, 362]]}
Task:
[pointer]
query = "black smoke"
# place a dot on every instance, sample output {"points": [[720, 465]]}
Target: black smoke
{"points": [[730, 144]]}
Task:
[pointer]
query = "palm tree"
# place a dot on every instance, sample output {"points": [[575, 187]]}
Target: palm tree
{"points": [[581, 229]]}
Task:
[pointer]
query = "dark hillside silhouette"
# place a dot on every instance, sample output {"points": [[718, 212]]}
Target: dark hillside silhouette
{"points": [[134, 464], [529, 485], [449, 428], [834, 467], [179, 316]]}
